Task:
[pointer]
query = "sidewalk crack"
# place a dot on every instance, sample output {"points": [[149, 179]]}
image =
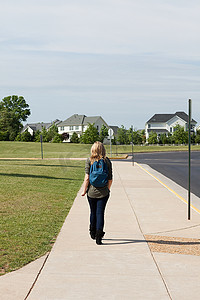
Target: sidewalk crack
{"points": [[31, 288]]}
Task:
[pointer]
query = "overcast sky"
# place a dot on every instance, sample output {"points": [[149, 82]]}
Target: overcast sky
{"points": [[122, 59]]}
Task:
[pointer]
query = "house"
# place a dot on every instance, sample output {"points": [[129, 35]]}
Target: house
{"points": [[165, 123], [79, 124], [32, 128]]}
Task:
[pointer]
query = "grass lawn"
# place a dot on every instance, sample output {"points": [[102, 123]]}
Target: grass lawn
{"points": [[65, 150], [35, 198]]}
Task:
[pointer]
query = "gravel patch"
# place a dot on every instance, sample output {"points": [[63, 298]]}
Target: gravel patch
{"points": [[173, 245]]}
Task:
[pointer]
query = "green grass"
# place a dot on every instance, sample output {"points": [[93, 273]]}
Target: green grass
{"points": [[50, 150], [35, 198], [157, 148], [64, 150]]}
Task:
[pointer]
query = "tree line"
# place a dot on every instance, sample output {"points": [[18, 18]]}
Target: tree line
{"points": [[14, 110]]}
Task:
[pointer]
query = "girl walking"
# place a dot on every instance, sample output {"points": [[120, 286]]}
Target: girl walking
{"points": [[97, 184]]}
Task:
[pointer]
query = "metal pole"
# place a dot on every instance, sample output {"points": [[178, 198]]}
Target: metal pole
{"points": [[41, 146], [189, 156], [132, 147], [110, 147]]}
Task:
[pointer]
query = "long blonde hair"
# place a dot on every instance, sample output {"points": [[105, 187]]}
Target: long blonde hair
{"points": [[98, 152]]}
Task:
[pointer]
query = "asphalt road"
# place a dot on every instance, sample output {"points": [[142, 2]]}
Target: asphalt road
{"points": [[174, 165]]}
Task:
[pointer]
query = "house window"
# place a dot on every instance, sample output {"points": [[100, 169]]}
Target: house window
{"points": [[149, 125], [76, 127], [97, 127], [62, 128], [71, 127], [171, 129]]}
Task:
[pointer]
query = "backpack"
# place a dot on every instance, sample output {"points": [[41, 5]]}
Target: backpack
{"points": [[99, 173]]}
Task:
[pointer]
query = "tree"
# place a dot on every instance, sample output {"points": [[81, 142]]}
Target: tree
{"points": [[44, 134], [134, 136], [103, 133], [36, 136], [122, 136], [9, 125], [91, 135], [153, 138], [74, 138], [13, 111], [143, 136], [57, 138], [51, 133], [197, 138], [24, 137], [163, 139], [180, 135], [17, 105]]}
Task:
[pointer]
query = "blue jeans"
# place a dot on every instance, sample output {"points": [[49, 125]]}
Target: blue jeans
{"points": [[97, 209]]}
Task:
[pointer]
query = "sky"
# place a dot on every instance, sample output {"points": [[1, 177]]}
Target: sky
{"points": [[124, 60]]}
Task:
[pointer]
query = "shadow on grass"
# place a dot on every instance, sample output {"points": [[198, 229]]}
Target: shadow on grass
{"points": [[62, 164], [160, 242], [37, 176]]}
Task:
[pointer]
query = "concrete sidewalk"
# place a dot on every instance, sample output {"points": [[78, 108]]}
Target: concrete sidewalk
{"points": [[123, 267]]}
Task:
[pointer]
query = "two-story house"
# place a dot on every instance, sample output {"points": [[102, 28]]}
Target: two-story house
{"points": [[165, 123], [79, 123]]}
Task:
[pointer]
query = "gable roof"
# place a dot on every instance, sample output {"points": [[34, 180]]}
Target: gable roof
{"points": [[36, 126], [90, 120], [162, 118], [73, 120], [79, 120], [39, 126]]}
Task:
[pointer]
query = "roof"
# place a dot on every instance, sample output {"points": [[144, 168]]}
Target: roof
{"points": [[162, 118], [184, 116], [39, 126], [73, 120], [115, 129], [90, 120], [36, 126], [79, 120]]}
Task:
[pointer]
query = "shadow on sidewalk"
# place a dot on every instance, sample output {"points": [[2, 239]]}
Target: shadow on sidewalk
{"points": [[158, 242], [121, 241]]}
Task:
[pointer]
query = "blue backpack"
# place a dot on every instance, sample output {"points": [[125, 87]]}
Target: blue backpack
{"points": [[99, 173]]}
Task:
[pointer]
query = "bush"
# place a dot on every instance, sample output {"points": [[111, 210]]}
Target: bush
{"points": [[74, 138]]}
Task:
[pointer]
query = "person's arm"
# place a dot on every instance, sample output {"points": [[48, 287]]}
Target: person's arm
{"points": [[109, 184], [85, 184]]}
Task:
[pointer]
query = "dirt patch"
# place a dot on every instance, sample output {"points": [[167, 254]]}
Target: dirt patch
{"points": [[174, 245]]}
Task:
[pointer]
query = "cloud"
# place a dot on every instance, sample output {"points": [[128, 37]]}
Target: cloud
{"points": [[106, 27], [123, 59]]}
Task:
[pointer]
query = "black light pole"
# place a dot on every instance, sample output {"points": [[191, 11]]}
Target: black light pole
{"points": [[189, 156], [41, 139], [132, 147]]}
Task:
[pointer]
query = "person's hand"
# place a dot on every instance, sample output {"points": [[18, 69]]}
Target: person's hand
{"points": [[83, 193]]}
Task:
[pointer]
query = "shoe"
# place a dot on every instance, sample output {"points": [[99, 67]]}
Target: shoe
{"points": [[99, 235], [92, 232]]}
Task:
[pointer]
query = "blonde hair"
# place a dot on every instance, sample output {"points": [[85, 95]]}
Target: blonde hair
{"points": [[98, 152]]}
